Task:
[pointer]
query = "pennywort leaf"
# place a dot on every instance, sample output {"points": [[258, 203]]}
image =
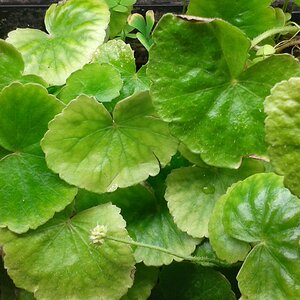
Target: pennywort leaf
{"points": [[75, 29], [222, 118], [243, 14], [59, 261], [262, 212], [89, 148], [100, 81], [283, 131]]}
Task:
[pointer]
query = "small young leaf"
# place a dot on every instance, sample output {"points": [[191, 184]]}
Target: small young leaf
{"points": [[120, 8], [144, 280], [58, 260], [89, 148], [222, 118], [283, 131], [138, 22], [243, 14], [101, 81], [120, 55], [187, 281], [192, 193], [262, 212], [76, 28], [12, 67]]}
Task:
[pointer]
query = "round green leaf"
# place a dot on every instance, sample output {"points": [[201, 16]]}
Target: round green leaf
{"points": [[202, 63], [243, 14], [101, 81], [148, 221], [283, 131], [144, 280], [30, 193], [262, 212], [192, 193], [76, 28], [121, 56], [187, 281], [12, 67], [58, 260], [24, 116], [93, 150]]}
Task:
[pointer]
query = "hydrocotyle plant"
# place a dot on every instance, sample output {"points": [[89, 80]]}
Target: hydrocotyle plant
{"points": [[175, 180]]}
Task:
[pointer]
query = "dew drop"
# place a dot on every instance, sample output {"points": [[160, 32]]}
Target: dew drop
{"points": [[208, 189]]}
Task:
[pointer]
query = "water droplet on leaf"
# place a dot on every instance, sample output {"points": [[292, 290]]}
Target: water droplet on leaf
{"points": [[208, 189]]}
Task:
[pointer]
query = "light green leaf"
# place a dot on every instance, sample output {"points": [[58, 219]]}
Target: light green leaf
{"points": [[119, 12], [101, 81], [226, 247], [243, 14], [76, 28], [58, 260], [144, 280], [12, 67], [93, 150], [262, 212], [190, 156], [121, 56], [283, 131], [192, 193], [148, 221], [202, 63], [187, 281], [30, 193]]}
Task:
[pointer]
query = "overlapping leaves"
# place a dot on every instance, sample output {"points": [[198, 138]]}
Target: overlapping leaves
{"points": [[243, 14], [148, 221], [261, 212], [30, 193], [283, 131], [192, 193], [12, 67], [58, 260], [76, 28], [91, 149], [222, 117]]}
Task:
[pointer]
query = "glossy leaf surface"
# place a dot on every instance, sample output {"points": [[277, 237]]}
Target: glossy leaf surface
{"points": [[12, 67], [262, 212], [144, 280], [58, 260], [93, 150], [222, 117], [192, 193], [100, 81], [148, 221], [243, 14], [187, 281], [30, 193], [75, 29], [121, 56], [283, 131]]}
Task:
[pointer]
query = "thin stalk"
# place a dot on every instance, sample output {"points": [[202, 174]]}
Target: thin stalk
{"points": [[184, 8], [272, 32], [205, 261], [285, 5], [287, 45]]}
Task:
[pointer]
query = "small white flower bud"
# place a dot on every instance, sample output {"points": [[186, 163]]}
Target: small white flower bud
{"points": [[98, 234]]}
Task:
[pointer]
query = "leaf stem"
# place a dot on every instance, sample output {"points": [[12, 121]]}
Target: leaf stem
{"points": [[271, 32], [287, 45], [205, 261]]}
